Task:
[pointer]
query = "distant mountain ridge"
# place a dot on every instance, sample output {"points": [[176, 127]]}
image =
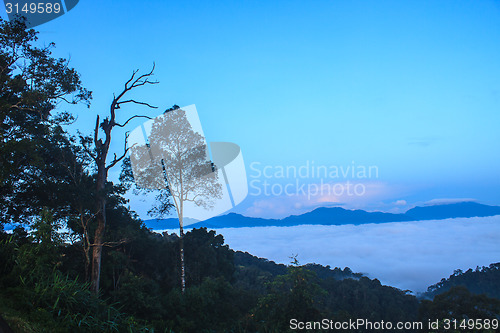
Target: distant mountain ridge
{"points": [[338, 216], [462, 209]]}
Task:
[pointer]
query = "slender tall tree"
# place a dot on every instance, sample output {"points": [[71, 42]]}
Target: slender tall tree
{"points": [[189, 171]]}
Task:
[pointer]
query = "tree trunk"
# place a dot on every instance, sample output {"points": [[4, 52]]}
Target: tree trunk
{"points": [[99, 232], [85, 244], [183, 270], [87, 263], [97, 253]]}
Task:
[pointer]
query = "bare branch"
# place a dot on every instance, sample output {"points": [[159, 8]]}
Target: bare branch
{"points": [[114, 244], [131, 79], [136, 102], [133, 83], [125, 123], [143, 79], [16, 106], [116, 160]]}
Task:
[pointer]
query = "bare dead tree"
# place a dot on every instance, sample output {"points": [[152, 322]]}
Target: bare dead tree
{"points": [[99, 155]]}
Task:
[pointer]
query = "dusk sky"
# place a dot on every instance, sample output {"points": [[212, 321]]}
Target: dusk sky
{"points": [[409, 87]]}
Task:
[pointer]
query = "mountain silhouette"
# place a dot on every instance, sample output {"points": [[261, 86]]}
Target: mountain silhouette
{"points": [[461, 209], [338, 216]]}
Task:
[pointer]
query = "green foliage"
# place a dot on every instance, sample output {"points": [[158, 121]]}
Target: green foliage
{"points": [[482, 280], [139, 296], [212, 306], [207, 256], [8, 247], [60, 304], [140, 278], [32, 141], [296, 294], [49, 301], [366, 298], [460, 303]]}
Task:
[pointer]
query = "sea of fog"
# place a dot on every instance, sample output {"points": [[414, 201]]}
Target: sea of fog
{"points": [[406, 255]]}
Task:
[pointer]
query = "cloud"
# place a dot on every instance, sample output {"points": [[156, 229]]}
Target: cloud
{"points": [[395, 207], [407, 255], [273, 207], [445, 201], [283, 206], [354, 194]]}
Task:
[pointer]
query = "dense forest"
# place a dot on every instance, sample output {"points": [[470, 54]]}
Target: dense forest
{"points": [[482, 280], [81, 261]]}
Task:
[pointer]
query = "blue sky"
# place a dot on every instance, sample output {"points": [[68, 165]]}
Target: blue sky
{"points": [[411, 87]]}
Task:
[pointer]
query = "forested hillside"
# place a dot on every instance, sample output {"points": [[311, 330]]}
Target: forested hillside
{"points": [[482, 280], [43, 286]]}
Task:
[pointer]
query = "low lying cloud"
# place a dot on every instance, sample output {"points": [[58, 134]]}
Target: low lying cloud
{"points": [[406, 255], [447, 201], [280, 206]]}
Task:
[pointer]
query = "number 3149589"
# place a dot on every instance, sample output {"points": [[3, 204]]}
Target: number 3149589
{"points": [[33, 7]]}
